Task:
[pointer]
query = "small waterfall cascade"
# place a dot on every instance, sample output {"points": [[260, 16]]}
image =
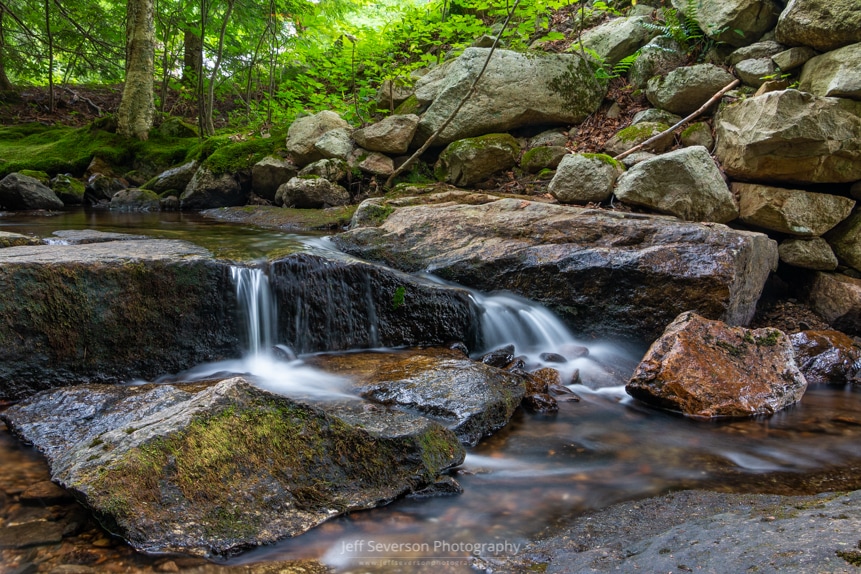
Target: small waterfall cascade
{"points": [[257, 307]]}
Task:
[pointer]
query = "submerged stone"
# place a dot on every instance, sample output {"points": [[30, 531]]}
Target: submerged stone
{"points": [[707, 369], [214, 468]]}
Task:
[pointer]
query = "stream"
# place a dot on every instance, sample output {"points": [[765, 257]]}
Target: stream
{"points": [[520, 483]]}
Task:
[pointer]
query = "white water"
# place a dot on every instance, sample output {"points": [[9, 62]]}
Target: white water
{"points": [[258, 308]]}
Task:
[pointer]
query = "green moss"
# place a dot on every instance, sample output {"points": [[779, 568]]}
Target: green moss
{"points": [[228, 157], [602, 157], [409, 106], [770, 339], [640, 132], [853, 557], [43, 177], [694, 129]]}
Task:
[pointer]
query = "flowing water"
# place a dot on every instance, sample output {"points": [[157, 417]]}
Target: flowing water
{"points": [[533, 475]]}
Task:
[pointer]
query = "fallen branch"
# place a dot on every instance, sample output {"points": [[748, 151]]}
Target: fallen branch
{"points": [[412, 159], [674, 127], [88, 100]]}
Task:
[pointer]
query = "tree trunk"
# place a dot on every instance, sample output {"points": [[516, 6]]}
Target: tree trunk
{"points": [[50, 56], [192, 52], [135, 116], [210, 97], [5, 84]]}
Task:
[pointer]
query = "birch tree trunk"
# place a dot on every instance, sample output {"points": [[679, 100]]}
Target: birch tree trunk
{"points": [[135, 116]]}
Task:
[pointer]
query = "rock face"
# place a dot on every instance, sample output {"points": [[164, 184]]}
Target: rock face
{"points": [[390, 135], [470, 398], [821, 24], [581, 178], [704, 368], [827, 357], [624, 275], [685, 183], [790, 136], [792, 211], [335, 302], [20, 192], [685, 89], [214, 468], [833, 74], [109, 312], [207, 190], [515, 90], [468, 161]]}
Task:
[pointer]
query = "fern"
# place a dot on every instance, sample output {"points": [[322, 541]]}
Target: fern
{"points": [[624, 65]]}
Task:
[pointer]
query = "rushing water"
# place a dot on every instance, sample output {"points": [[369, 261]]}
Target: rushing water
{"points": [[537, 472]]}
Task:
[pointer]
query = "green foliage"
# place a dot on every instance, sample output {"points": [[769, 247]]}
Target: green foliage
{"points": [[684, 29], [398, 297]]}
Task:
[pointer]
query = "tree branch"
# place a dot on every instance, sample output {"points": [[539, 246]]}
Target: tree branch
{"points": [[678, 124], [412, 159]]}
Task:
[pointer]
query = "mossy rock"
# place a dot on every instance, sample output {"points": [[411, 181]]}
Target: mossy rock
{"points": [[542, 157], [471, 160], [409, 106], [177, 128], [39, 176], [632, 136], [70, 190]]}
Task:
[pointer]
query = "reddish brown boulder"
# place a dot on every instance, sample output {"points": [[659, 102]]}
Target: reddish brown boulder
{"points": [[705, 368], [827, 356]]}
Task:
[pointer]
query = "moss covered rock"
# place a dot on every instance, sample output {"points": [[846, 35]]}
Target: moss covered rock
{"points": [[213, 468], [70, 190], [469, 161]]}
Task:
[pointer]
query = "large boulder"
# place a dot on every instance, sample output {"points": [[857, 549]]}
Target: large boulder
{"points": [[617, 38], [827, 357], [135, 200], [336, 144], [705, 368], [736, 22], [835, 73], [611, 273], [173, 179], [791, 211], [837, 299], [215, 468], [792, 137], [268, 174], [311, 192], [845, 239], [21, 192], [516, 90], [208, 189], [584, 178], [472, 399], [810, 253], [109, 312], [391, 135], [685, 183], [68, 189], [685, 89], [303, 134], [469, 161], [821, 24]]}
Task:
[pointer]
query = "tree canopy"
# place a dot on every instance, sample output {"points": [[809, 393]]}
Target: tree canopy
{"points": [[271, 60]]}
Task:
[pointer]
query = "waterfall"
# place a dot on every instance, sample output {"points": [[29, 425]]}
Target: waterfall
{"points": [[257, 308]]}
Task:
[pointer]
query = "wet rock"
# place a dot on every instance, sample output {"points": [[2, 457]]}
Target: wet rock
{"points": [[208, 189], [516, 90], [499, 358], [68, 189], [707, 369], [685, 89], [833, 74], [445, 486], [537, 398], [135, 200], [268, 174], [109, 312], [311, 192], [827, 357], [685, 183], [472, 399], [37, 533], [791, 211], [552, 358], [84, 236], [821, 24], [304, 133], [625, 275], [391, 135], [8, 239], [213, 468], [174, 179], [101, 188], [45, 492], [336, 302], [469, 161], [820, 144], [21, 192]]}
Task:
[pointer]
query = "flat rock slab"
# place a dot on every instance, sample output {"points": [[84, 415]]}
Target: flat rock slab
{"points": [[617, 274], [109, 312], [705, 532], [213, 468], [472, 399]]}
